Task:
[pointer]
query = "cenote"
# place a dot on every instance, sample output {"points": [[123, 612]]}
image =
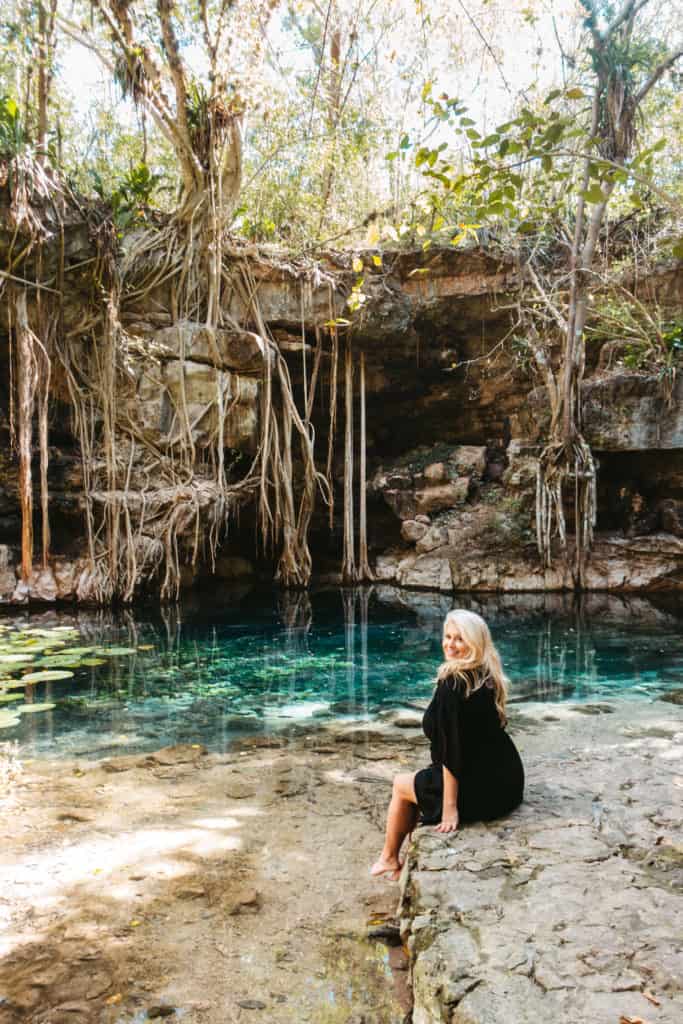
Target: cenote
{"points": [[224, 666]]}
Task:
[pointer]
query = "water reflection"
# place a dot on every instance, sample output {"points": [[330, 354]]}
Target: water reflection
{"points": [[221, 667]]}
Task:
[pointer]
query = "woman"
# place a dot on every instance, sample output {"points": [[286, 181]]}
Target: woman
{"points": [[476, 773]]}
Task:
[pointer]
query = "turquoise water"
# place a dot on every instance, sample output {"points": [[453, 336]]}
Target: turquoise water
{"points": [[224, 667]]}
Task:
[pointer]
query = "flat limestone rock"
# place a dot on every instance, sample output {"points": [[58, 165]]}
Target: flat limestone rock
{"points": [[181, 753], [569, 909], [237, 790]]}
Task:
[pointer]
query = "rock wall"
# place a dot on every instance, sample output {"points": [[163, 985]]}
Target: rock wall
{"points": [[454, 424]]}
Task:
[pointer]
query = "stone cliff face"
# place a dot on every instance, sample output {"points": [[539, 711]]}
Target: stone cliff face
{"points": [[454, 418]]}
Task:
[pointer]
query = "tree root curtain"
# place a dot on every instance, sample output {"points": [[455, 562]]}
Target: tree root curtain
{"points": [[139, 533]]}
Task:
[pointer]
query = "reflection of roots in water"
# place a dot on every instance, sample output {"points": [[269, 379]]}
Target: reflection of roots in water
{"points": [[552, 672]]}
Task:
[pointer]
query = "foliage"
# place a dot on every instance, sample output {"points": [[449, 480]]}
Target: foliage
{"points": [[131, 199], [649, 339], [549, 173], [12, 136]]}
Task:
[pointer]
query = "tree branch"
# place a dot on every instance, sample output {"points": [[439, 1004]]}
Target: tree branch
{"points": [[660, 70], [176, 67]]}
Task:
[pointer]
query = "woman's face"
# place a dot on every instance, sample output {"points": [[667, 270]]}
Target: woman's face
{"points": [[454, 647]]}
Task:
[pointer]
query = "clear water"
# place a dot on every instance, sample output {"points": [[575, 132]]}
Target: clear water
{"points": [[223, 667]]}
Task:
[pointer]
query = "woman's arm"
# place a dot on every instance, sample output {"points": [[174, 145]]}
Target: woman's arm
{"points": [[449, 814]]}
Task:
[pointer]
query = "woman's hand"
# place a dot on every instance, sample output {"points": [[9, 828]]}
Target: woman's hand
{"points": [[449, 820]]}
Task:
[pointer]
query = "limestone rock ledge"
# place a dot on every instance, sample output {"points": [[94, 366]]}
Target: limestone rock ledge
{"points": [[569, 910], [616, 563]]}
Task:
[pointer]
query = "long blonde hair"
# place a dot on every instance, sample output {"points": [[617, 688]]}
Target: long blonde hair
{"points": [[482, 654]]}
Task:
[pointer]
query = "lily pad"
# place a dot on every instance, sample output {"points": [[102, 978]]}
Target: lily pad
{"points": [[15, 659], [8, 719], [49, 663], [48, 676], [76, 652], [51, 630], [5, 698], [115, 652], [93, 661], [24, 709]]}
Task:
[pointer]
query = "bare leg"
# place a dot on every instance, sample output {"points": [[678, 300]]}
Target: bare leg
{"points": [[401, 819]]}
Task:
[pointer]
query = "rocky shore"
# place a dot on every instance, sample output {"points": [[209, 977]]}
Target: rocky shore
{"points": [[234, 887], [570, 910]]}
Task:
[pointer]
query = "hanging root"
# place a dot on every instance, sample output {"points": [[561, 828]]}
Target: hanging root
{"points": [[33, 382], [561, 463], [364, 572], [137, 531], [349, 574]]}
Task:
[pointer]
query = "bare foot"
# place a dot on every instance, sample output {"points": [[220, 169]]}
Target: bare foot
{"points": [[390, 868]]}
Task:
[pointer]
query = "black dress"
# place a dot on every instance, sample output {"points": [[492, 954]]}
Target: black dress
{"points": [[467, 737]]}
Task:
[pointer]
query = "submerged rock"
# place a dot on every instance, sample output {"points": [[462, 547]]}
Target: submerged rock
{"points": [[673, 697]]}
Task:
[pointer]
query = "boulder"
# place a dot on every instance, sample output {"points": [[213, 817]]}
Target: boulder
{"points": [[435, 537], [425, 572], [435, 473], [434, 499], [469, 459], [237, 351], [413, 531]]}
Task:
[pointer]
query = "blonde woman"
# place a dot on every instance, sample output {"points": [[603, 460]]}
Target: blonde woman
{"points": [[476, 773]]}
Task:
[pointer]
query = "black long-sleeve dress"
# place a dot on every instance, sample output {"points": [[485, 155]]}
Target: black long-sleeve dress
{"points": [[466, 735]]}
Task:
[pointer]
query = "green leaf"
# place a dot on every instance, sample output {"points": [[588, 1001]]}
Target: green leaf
{"points": [[554, 132], [575, 94], [547, 163], [594, 194], [552, 96]]}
